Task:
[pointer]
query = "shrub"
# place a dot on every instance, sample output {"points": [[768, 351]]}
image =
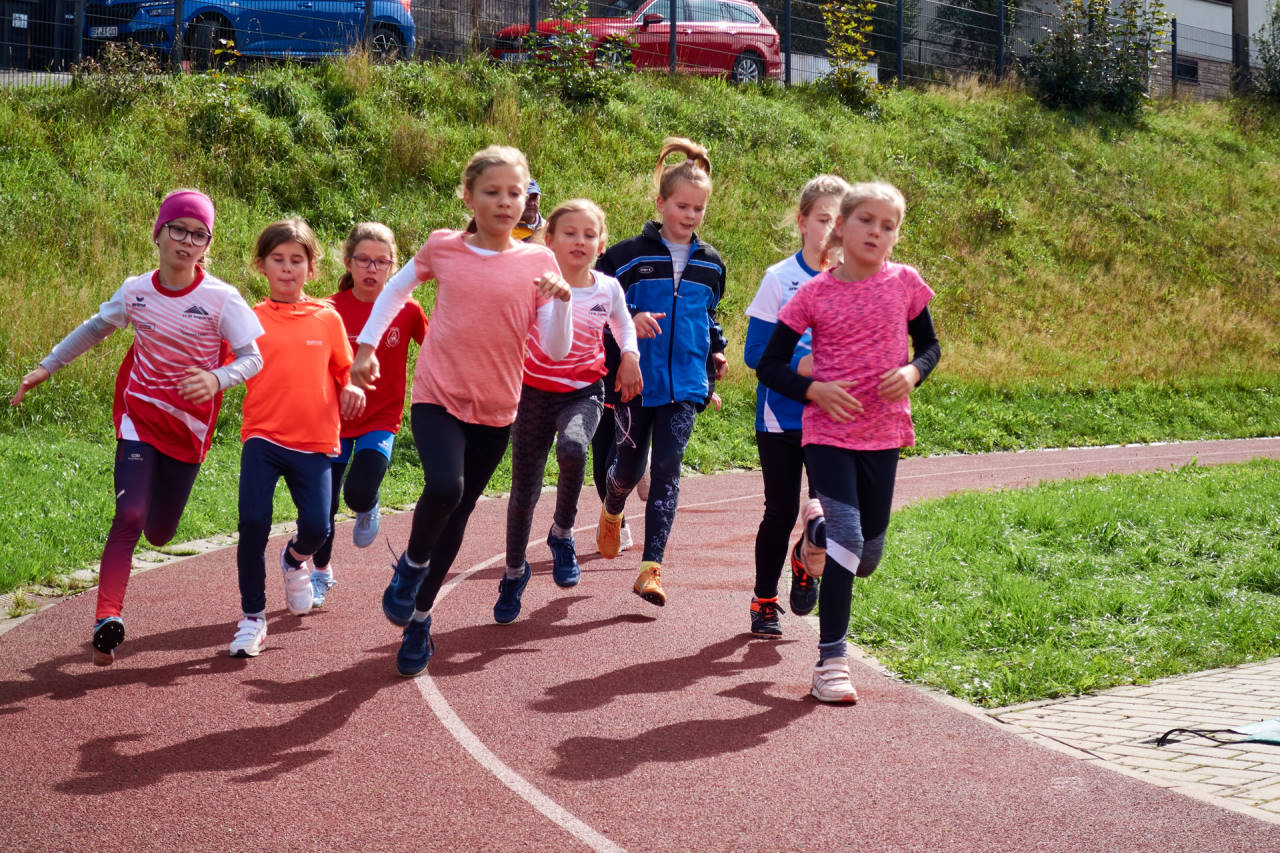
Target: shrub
{"points": [[1268, 41], [1097, 56], [564, 61], [849, 28]]}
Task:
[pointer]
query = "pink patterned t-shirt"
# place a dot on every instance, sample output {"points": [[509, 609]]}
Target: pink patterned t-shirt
{"points": [[859, 332]]}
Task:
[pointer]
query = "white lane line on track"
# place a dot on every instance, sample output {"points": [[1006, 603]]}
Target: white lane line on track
{"points": [[521, 786], [1179, 457]]}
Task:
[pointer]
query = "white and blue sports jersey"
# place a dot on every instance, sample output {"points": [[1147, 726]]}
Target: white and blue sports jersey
{"points": [[775, 412]]}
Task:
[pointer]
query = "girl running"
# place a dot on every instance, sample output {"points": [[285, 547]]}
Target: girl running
{"points": [[169, 389], [562, 400], [291, 411], [778, 421], [861, 314], [369, 254], [492, 291], [673, 282]]}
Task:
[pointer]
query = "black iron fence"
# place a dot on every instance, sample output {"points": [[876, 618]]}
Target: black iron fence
{"points": [[911, 41]]}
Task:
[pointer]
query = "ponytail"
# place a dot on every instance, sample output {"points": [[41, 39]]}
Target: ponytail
{"points": [[695, 168]]}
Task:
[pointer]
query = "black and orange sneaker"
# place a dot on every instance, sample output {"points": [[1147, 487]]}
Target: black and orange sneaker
{"points": [[804, 586], [764, 618]]}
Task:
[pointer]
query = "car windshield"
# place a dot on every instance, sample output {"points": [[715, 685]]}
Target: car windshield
{"points": [[616, 8]]}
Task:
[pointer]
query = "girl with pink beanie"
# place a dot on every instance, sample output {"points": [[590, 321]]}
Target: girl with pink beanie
{"points": [[193, 337]]}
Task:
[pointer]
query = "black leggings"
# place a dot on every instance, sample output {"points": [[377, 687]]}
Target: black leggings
{"points": [[856, 490], [458, 459], [368, 467], [781, 464], [603, 450]]}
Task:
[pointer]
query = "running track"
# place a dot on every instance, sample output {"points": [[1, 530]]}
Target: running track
{"points": [[595, 721]]}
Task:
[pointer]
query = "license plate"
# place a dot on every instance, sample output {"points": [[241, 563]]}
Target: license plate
{"points": [[515, 57], [103, 32]]}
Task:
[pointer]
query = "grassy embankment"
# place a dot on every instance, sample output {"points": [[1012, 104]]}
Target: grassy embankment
{"points": [[1097, 282]]}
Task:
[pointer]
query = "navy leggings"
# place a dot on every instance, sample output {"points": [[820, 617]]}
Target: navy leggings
{"points": [[856, 490], [151, 492], [262, 464], [368, 467], [458, 459], [668, 429]]}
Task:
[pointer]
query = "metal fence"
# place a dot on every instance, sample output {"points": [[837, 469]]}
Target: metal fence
{"points": [[912, 41]]}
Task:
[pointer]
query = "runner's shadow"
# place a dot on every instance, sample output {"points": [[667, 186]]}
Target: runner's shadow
{"points": [[54, 680], [259, 753], [590, 758], [665, 676], [472, 648]]}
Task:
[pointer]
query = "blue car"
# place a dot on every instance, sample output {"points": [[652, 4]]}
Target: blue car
{"points": [[219, 29]]}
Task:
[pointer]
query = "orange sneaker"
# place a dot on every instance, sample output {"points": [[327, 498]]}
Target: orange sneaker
{"points": [[648, 583], [609, 534]]}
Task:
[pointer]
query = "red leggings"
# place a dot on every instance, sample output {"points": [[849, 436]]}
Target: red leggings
{"points": [[151, 493]]}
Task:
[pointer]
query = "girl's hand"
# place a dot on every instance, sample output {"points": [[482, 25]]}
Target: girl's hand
{"points": [[365, 370], [200, 386], [551, 284], [835, 399], [629, 382], [804, 366], [722, 365], [350, 401], [898, 382], [716, 401], [28, 382], [647, 324]]}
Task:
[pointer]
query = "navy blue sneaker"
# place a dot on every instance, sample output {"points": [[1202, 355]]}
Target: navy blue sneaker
{"points": [[509, 592], [416, 648], [107, 634], [564, 561], [397, 599]]}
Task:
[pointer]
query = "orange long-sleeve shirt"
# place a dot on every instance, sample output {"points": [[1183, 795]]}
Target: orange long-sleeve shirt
{"points": [[306, 361]]}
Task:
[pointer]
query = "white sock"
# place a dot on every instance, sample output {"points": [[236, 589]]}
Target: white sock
{"points": [[560, 533], [421, 615], [261, 614], [514, 573]]}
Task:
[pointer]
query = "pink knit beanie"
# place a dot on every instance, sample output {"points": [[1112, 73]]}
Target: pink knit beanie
{"points": [[180, 203]]}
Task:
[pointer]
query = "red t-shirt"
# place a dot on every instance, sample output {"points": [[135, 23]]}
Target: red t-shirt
{"points": [[384, 405]]}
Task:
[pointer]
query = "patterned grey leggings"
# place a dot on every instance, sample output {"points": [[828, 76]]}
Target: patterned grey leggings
{"points": [[569, 419]]}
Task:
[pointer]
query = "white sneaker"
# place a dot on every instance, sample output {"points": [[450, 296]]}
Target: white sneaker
{"points": [[624, 537], [321, 582], [831, 682], [297, 586], [251, 632], [366, 529]]}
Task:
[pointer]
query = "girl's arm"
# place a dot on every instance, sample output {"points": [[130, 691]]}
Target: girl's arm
{"points": [[621, 325], [555, 327], [776, 372], [758, 334], [200, 385], [365, 371], [897, 383], [111, 316]]}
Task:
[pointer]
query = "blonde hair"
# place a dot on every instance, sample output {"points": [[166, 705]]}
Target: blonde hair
{"points": [[494, 155], [284, 230], [695, 168], [870, 191], [577, 205], [362, 231], [821, 187]]}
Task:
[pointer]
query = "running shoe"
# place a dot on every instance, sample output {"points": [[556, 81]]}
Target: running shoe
{"points": [[321, 582], [648, 583], [509, 591], [564, 560], [764, 618], [416, 648], [804, 586], [251, 632], [813, 553], [609, 534], [108, 633], [398, 597], [831, 682], [297, 585], [366, 529]]}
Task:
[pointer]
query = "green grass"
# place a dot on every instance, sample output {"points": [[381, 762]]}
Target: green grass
{"points": [[1076, 586]]}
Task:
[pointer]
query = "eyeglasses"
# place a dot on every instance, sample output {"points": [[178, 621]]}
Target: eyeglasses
{"points": [[177, 234], [368, 263]]}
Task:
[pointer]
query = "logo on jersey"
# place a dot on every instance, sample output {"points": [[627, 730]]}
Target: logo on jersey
{"points": [[599, 309], [393, 336], [645, 269], [314, 343], [196, 311]]}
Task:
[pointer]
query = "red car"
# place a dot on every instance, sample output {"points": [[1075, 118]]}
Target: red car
{"points": [[713, 37]]}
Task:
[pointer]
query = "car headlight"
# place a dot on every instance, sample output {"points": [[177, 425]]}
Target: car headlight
{"points": [[161, 11]]}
